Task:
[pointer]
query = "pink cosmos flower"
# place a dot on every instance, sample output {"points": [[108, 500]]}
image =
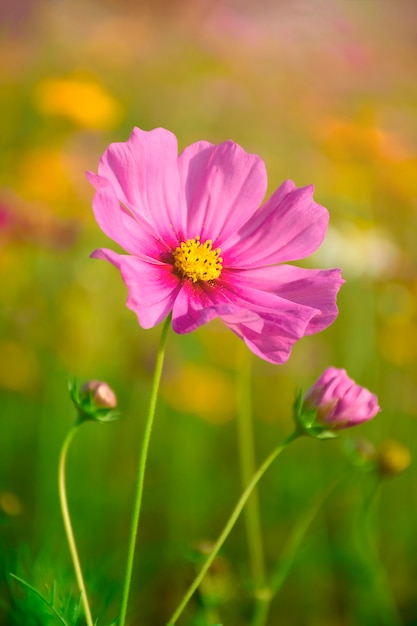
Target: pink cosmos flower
{"points": [[339, 401], [198, 245]]}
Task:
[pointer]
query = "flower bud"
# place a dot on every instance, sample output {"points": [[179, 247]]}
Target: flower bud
{"points": [[339, 402], [217, 585], [94, 400], [101, 394], [360, 452], [392, 458], [334, 402]]}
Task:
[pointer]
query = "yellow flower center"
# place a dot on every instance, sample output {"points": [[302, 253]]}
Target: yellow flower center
{"points": [[197, 261]]}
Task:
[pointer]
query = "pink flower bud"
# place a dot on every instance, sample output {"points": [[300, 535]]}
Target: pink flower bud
{"points": [[101, 394], [339, 401]]}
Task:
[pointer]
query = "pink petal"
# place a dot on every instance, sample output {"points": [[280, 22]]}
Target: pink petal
{"points": [[270, 325], [357, 405], [134, 235], [289, 226], [198, 304], [144, 173], [285, 303], [223, 187], [314, 289], [152, 287], [262, 337]]}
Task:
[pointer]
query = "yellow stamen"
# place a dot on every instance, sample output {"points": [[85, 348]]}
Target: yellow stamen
{"points": [[197, 261]]}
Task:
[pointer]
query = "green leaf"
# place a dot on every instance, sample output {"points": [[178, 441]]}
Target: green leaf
{"points": [[36, 592]]}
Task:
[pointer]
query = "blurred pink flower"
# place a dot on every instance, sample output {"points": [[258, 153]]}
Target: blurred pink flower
{"points": [[4, 217], [199, 247], [339, 401]]}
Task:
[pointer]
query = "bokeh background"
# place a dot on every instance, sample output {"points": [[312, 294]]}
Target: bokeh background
{"points": [[326, 92]]}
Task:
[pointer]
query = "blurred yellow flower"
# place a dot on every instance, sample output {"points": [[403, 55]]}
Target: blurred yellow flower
{"points": [[204, 391], [42, 175], [363, 139], [363, 155], [84, 102], [392, 458]]}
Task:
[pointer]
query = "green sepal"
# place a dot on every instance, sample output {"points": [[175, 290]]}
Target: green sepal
{"points": [[321, 432], [305, 419], [86, 408]]}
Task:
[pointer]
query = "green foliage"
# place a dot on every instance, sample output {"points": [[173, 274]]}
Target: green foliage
{"points": [[30, 609]]}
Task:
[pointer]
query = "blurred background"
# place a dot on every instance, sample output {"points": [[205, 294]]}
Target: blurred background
{"points": [[326, 92]]}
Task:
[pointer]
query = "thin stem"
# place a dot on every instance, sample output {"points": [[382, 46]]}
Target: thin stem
{"points": [[141, 470], [291, 548], [248, 467], [230, 523], [388, 610], [68, 526]]}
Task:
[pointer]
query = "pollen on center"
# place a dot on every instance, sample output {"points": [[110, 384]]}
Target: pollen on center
{"points": [[197, 261]]}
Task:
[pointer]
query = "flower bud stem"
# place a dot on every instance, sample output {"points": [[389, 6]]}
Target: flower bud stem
{"points": [[68, 526], [230, 523], [141, 470]]}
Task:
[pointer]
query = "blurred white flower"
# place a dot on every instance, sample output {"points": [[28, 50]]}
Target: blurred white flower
{"points": [[359, 251]]}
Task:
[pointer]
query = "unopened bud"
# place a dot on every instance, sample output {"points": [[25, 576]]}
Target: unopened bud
{"points": [[217, 585], [94, 400], [392, 458], [360, 452], [203, 549], [365, 449], [101, 394], [334, 402]]}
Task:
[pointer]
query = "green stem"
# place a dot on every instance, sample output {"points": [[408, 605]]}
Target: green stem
{"points": [[384, 599], [68, 526], [291, 548], [141, 470], [230, 523], [248, 467]]}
